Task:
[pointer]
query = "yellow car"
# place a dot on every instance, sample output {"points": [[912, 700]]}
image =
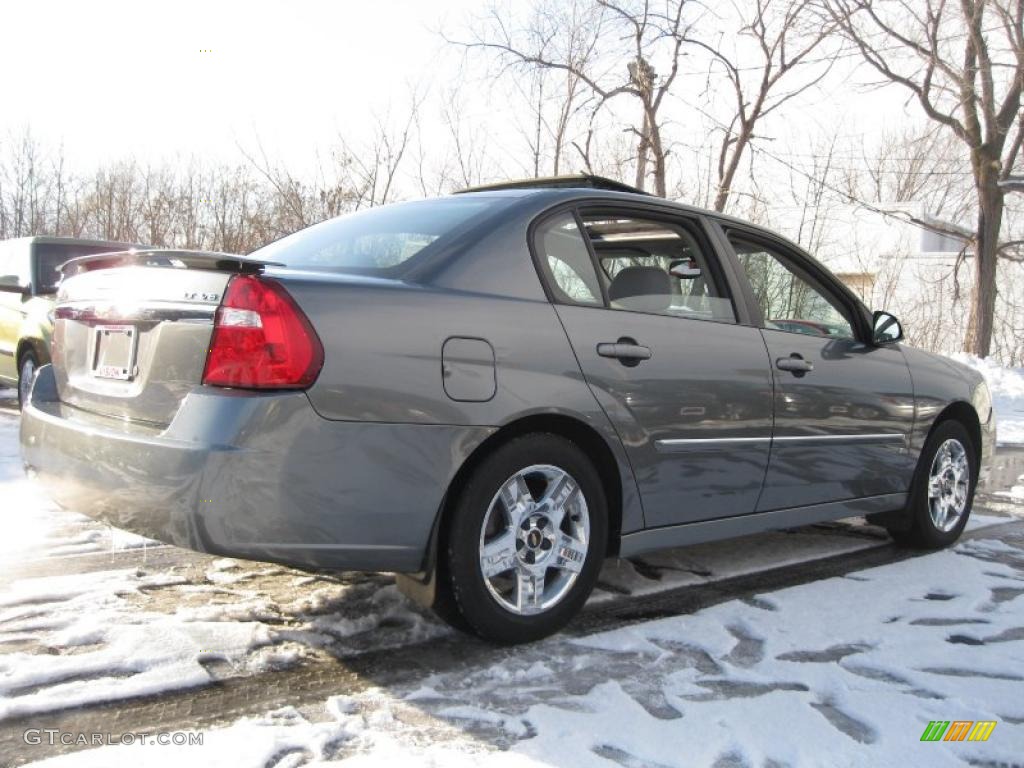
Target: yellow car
{"points": [[28, 285]]}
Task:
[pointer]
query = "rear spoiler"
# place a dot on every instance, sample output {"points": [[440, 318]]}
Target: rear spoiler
{"points": [[166, 257]]}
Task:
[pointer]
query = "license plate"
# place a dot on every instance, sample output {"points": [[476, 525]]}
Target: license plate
{"points": [[113, 351]]}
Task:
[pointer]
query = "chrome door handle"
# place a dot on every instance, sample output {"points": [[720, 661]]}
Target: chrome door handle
{"points": [[795, 364]]}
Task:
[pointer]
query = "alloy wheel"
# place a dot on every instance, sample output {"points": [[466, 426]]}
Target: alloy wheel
{"points": [[534, 539], [948, 485]]}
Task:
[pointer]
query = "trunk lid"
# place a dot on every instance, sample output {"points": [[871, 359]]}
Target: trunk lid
{"points": [[132, 329]]}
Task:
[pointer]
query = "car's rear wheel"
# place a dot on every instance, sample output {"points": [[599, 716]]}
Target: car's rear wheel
{"points": [[943, 489], [27, 365], [526, 539]]}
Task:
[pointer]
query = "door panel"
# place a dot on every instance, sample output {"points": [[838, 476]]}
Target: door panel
{"points": [[695, 416], [843, 409], [840, 429]]}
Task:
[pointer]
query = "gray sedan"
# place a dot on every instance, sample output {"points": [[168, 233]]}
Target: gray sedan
{"points": [[491, 392]]}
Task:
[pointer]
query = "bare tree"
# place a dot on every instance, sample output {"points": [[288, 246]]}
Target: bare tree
{"points": [[26, 187], [553, 99], [373, 166], [608, 48], [467, 164], [780, 36], [964, 64]]}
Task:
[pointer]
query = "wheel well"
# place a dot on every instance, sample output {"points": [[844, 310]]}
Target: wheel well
{"points": [[37, 346], [582, 435], [964, 413]]}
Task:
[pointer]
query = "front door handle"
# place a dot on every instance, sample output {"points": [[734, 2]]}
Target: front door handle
{"points": [[625, 350], [795, 364]]}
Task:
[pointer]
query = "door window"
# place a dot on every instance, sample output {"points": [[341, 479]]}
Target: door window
{"points": [[655, 267], [788, 301]]}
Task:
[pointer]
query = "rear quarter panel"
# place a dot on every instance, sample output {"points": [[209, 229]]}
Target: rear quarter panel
{"points": [[383, 344]]}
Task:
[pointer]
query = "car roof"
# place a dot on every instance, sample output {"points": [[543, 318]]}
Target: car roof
{"points": [[546, 195]]}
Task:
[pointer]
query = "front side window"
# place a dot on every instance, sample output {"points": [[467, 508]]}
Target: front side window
{"points": [[656, 267], [788, 301]]}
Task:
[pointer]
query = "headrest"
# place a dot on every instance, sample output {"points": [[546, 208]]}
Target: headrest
{"points": [[646, 289]]}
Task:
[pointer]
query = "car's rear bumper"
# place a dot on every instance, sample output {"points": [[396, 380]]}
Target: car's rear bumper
{"points": [[259, 476]]}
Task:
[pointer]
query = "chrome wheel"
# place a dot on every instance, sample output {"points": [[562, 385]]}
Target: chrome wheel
{"points": [[25, 376], [534, 539], [948, 485]]}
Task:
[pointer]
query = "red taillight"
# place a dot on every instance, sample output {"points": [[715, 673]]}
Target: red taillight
{"points": [[261, 339]]}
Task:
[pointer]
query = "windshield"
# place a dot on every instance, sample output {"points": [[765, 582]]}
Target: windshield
{"points": [[376, 240]]}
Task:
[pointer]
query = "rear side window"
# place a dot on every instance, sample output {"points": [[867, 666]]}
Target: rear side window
{"points": [[657, 267], [378, 240], [566, 261]]}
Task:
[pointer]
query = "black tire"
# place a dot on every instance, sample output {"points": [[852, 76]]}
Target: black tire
{"points": [[463, 590], [28, 364], [922, 532]]}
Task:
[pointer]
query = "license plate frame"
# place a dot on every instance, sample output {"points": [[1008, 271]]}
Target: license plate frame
{"points": [[114, 349]]}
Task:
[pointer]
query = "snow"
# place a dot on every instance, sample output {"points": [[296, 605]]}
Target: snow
{"points": [[841, 672], [103, 650], [1007, 387]]}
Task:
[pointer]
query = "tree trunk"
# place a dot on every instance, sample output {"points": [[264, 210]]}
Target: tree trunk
{"points": [[641, 153], [725, 182], [983, 297], [658, 151]]}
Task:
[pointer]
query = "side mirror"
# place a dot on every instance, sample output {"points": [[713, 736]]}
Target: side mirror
{"points": [[684, 269], [886, 329], [13, 284]]}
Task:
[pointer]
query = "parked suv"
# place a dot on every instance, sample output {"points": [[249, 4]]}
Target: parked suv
{"points": [[28, 284]]}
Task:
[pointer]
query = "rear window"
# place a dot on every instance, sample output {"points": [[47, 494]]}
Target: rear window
{"points": [[49, 256], [377, 240]]}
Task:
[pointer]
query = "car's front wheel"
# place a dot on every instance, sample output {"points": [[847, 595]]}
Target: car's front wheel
{"points": [[943, 489], [526, 539], [27, 365]]}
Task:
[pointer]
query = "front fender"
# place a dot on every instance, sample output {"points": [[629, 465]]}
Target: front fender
{"points": [[981, 400]]}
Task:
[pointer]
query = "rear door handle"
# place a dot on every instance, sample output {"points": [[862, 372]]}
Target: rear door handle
{"points": [[625, 350], [795, 364]]}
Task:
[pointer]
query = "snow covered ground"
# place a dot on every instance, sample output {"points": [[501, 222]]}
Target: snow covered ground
{"points": [[839, 671], [844, 672]]}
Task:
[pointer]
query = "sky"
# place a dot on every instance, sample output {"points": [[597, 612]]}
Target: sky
{"points": [[153, 79], [159, 81]]}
